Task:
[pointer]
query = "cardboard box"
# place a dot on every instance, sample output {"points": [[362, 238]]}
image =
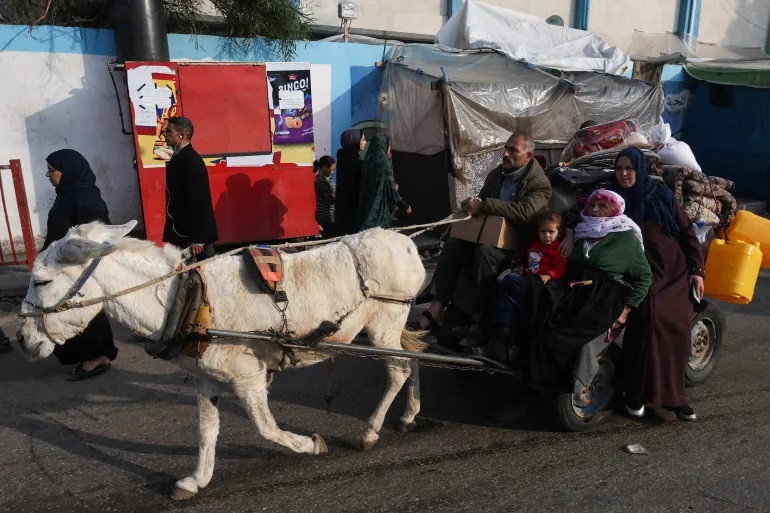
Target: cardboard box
{"points": [[482, 229]]}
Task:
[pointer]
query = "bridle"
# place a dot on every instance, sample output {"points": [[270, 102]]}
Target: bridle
{"points": [[65, 302]]}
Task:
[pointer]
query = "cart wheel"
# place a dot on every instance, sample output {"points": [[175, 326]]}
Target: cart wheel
{"points": [[706, 340], [586, 407]]}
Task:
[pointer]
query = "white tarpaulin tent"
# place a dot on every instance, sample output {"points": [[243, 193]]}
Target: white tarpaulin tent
{"points": [[522, 36]]}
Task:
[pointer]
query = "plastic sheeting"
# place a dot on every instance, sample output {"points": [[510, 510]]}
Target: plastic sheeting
{"points": [[487, 96], [522, 36]]}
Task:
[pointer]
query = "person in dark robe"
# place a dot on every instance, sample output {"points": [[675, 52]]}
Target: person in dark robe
{"points": [[379, 199], [348, 181], [607, 276], [190, 221], [78, 201], [656, 345]]}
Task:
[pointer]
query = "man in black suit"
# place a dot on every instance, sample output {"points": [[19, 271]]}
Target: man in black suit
{"points": [[190, 218]]}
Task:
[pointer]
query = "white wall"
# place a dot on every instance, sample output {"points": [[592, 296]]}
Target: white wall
{"points": [[735, 22], [724, 22], [54, 101], [67, 100], [541, 8], [424, 17], [615, 20]]}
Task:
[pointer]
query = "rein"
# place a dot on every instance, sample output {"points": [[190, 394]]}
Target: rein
{"points": [[66, 303]]}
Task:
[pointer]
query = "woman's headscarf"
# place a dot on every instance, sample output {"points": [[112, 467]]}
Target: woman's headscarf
{"points": [[648, 200], [351, 138], [74, 169], [379, 198], [596, 228], [78, 199]]}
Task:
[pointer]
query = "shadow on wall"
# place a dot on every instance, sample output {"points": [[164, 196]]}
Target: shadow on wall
{"points": [[749, 23], [243, 202], [80, 112]]}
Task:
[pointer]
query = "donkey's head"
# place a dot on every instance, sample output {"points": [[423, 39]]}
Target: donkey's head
{"points": [[55, 272]]}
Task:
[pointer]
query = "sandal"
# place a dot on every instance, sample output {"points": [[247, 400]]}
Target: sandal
{"points": [[79, 373], [433, 326]]}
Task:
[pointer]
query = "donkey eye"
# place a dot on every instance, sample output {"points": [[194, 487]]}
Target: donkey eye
{"points": [[40, 283]]}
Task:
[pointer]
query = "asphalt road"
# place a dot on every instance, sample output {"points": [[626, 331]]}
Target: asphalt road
{"points": [[118, 442]]}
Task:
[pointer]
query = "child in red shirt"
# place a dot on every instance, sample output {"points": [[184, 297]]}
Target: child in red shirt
{"points": [[544, 260], [544, 257]]}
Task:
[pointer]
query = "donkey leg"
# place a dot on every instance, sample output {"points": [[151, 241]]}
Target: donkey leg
{"points": [[208, 430], [398, 372], [407, 422], [254, 398]]}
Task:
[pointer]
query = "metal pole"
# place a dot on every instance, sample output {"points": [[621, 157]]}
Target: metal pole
{"points": [[356, 348], [23, 207]]}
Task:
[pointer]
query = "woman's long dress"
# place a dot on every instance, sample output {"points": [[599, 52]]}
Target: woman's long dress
{"points": [[656, 345]]}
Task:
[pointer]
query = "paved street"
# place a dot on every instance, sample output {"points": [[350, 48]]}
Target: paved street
{"points": [[118, 442]]}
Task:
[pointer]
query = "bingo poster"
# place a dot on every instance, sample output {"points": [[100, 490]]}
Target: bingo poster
{"points": [[292, 103]]}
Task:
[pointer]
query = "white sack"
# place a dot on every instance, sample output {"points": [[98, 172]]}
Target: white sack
{"points": [[678, 153]]}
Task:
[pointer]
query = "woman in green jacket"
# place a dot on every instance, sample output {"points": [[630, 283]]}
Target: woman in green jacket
{"points": [[607, 276]]}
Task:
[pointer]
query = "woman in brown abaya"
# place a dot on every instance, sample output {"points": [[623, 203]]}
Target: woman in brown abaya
{"points": [[656, 346]]}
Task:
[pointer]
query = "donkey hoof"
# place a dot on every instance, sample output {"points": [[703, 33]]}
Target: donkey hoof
{"points": [[182, 494], [367, 440], [406, 427], [319, 446]]}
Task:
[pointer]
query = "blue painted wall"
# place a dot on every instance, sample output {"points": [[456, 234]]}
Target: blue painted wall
{"points": [[355, 83], [677, 87], [732, 141]]}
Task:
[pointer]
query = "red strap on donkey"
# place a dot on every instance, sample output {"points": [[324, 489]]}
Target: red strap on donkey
{"points": [[268, 263]]}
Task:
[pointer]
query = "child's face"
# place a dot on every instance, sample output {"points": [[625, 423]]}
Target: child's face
{"points": [[548, 232]]}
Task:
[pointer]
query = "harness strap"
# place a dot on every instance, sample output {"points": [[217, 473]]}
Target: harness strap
{"points": [[385, 298], [75, 288]]}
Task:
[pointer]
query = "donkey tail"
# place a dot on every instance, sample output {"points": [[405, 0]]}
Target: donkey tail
{"points": [[410, 341]]}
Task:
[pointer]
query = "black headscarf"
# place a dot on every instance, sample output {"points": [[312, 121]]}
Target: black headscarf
{"points": [[350, 138], [648, 200], [78, 199], [348, 182], [74, 169]]}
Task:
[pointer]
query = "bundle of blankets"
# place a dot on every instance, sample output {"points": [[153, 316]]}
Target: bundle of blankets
{"points": [[704, 198]]}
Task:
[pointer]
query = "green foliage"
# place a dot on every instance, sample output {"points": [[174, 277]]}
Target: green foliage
{"points": [[281, 22]]}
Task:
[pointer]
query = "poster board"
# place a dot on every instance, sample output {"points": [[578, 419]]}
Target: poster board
{"points": [[260, 191]]}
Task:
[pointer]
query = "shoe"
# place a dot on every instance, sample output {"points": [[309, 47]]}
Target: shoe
{"points": [[684, 413], [499, 343], [79, 373], [635, 409]]}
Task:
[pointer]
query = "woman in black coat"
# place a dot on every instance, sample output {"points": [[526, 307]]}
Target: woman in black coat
{"points": [[348, 181], [79, 201]]}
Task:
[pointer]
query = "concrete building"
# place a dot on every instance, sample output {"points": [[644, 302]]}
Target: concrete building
{"points": [[718, 22]]}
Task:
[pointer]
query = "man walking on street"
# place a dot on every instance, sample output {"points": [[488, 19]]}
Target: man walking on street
{"points": [[190, 218]]}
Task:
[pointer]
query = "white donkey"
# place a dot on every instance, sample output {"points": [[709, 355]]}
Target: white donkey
{"points": [[322, 284]]}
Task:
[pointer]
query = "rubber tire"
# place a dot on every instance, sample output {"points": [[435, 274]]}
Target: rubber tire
{"points": [[572, 421], [695, 377]]}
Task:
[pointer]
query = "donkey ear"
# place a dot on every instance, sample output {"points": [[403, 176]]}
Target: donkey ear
{"points": [[116, 232], [78, 251]]}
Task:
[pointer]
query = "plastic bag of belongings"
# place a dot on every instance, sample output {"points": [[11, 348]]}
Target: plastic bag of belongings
{"points": [[672, 151], [596, 138]]}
